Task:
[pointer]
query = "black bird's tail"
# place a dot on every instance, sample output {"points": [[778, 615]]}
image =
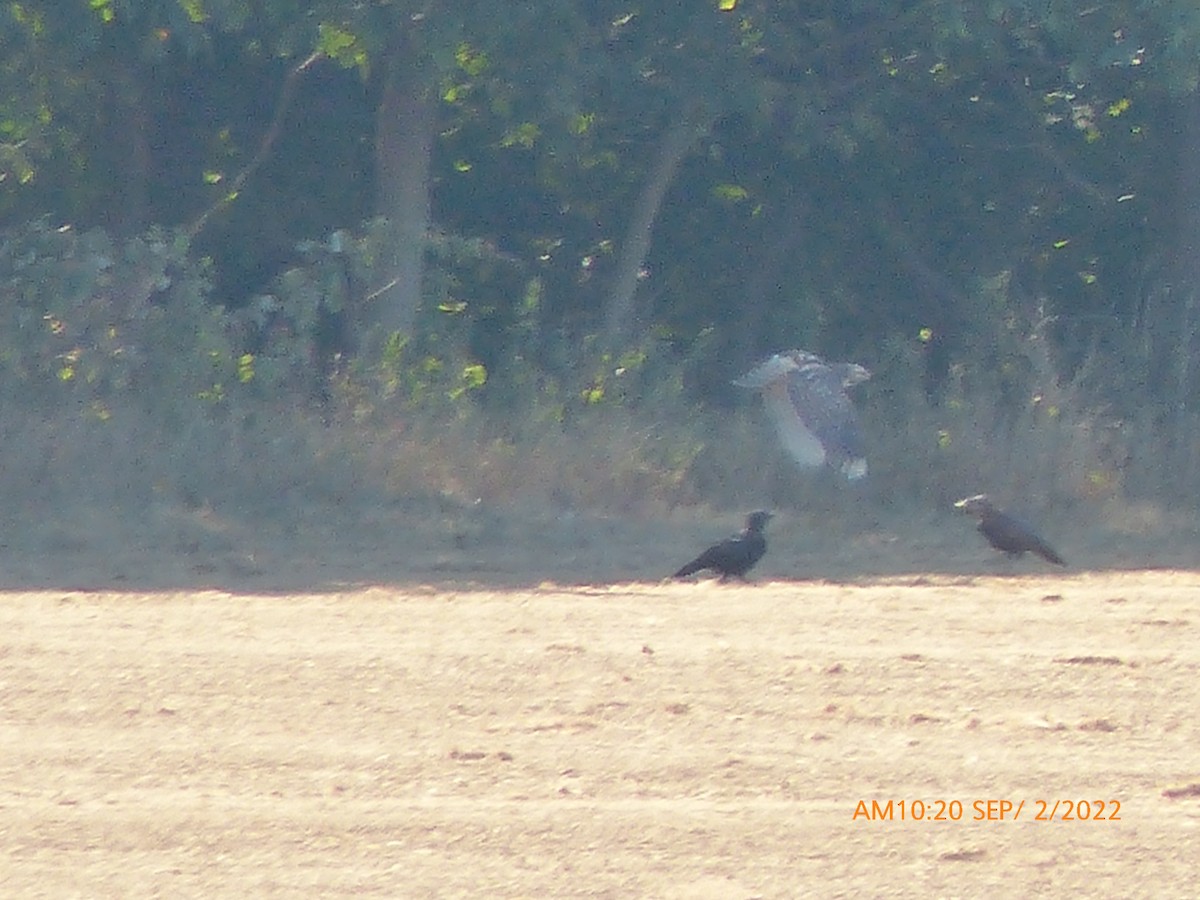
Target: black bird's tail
{"points": [[691, 568], [1046, 552]]}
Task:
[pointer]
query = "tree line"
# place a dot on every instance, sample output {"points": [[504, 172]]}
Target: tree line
{"points": [[983, 187]]}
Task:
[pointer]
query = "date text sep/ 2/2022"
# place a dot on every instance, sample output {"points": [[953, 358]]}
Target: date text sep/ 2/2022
{"points": [[990, 810]]}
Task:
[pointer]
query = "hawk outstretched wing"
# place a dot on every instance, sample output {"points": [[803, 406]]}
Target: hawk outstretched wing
{"points": [[814, 416]]}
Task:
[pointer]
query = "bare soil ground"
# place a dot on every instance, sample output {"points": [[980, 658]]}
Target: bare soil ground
{"points": [[421, 715]]}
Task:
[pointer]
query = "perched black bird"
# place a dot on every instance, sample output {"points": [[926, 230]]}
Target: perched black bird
{"points": [[1005, 532], [807, 400], [736, 555]]}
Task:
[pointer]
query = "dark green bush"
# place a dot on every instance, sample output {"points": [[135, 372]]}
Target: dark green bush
{"points": [[87, 324]]}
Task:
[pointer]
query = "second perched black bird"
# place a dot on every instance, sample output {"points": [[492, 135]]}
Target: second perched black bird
{"points": [[1006, 533], [733, 556]]}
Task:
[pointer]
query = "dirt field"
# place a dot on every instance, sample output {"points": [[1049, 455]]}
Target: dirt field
{"points": [[627, 739]]}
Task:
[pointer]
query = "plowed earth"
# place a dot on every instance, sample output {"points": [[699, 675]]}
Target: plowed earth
{"points": [[623, 740]]}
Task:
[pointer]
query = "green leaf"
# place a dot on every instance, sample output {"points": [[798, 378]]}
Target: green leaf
{"points": [[103, 8], [474, 376], [581, 123], [470, 60], [1115, 109], [731, 192], [524, 135], [195, 11], [341, 45]]}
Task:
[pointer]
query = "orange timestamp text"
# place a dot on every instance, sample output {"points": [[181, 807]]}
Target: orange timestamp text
{"points": [[987, 810]]}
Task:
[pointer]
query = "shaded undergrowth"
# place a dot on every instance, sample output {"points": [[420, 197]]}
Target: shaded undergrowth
{"points": [[123, 385]]}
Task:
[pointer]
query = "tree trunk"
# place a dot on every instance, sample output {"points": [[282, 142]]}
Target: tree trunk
{"points": [[941, 304], [404, 133], [620, 311], [1184, 330], [126, 150], [764, 286], [1186, 274]]}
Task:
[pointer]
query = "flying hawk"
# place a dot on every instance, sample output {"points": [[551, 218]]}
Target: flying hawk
{"points": [[807, 400], [736, 555], [1006, 533]]}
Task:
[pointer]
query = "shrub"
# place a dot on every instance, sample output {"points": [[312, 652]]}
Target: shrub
{"points": [[87, 324]]}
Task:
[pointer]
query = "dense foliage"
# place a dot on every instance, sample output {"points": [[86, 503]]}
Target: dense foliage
{"points": [[551, 205]]}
